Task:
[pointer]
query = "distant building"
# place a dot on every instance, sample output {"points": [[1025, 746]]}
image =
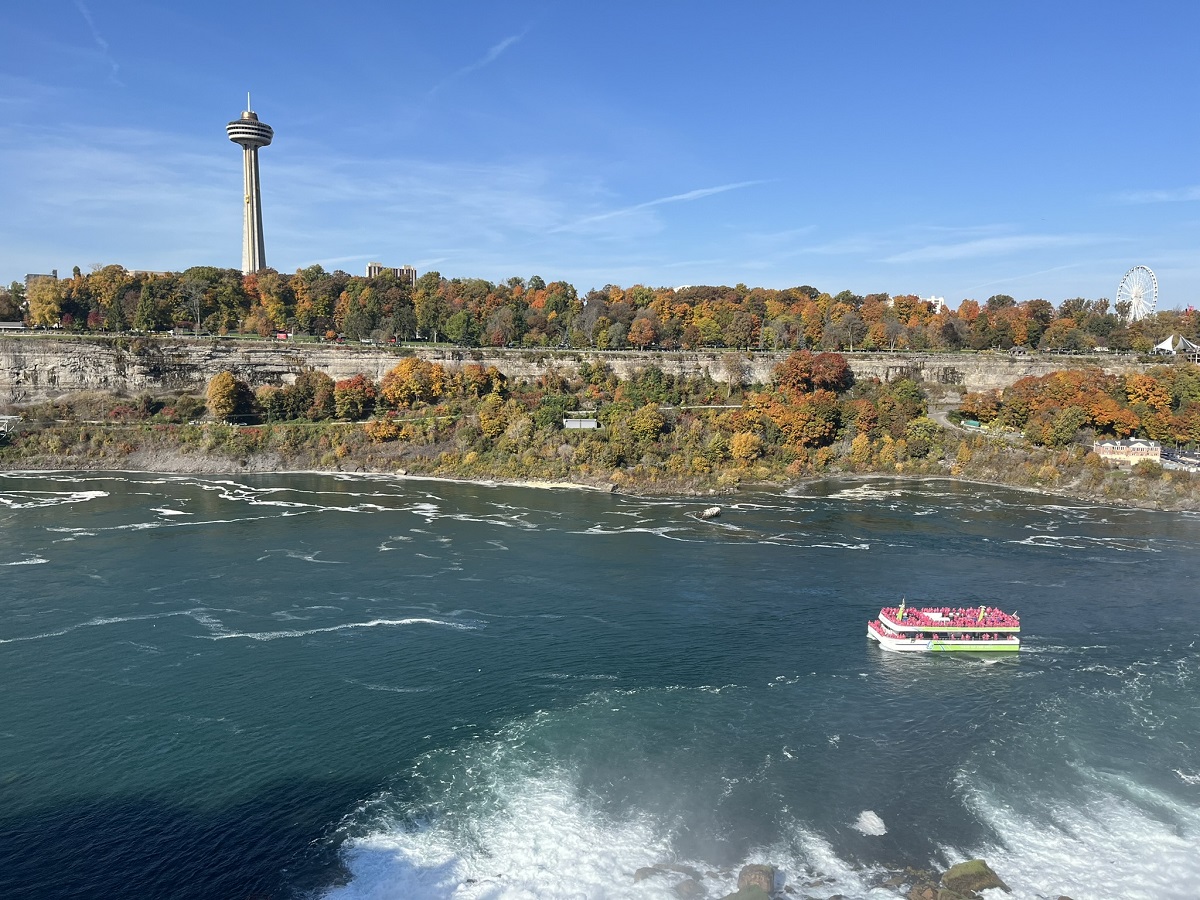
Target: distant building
{"points": [[406, 274], [1130, 450]]}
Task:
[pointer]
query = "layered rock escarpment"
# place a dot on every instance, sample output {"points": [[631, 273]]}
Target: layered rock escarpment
{"points": [[35, 368]]}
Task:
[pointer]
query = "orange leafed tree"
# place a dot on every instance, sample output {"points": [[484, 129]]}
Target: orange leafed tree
{"points": [[802, 372], [982, 406], [1146, 389], [642, 333], [354, 397], [810, 421]]}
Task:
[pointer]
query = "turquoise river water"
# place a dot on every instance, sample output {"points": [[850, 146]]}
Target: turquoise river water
{"points": [[314, 686]]}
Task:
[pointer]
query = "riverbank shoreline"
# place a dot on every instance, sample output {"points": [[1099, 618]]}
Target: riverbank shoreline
{"points": [[181, 464]]}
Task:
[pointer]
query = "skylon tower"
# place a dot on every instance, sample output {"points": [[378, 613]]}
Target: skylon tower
{"points": [[251, 134]]}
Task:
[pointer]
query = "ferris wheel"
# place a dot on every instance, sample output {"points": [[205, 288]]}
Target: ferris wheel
{"points": [[1139, 288]]}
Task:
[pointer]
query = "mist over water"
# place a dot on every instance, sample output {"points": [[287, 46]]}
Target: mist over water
{"points": [[368, 687]]}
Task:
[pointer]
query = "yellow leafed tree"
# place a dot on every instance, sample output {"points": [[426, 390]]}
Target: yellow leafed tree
{"points": [[45, 298]]}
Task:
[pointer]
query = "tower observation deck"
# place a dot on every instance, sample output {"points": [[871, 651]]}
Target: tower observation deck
{"points": [[251, 134]]}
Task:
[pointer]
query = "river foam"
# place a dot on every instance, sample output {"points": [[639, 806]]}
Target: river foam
{"points": [[344, 626], [1138, 844], [539, 836]]}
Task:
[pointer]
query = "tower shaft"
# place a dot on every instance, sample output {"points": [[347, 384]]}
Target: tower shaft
{"points": [[254, 253]]}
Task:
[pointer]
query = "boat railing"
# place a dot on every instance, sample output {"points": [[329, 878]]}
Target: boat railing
{"points": [[940, 636]]}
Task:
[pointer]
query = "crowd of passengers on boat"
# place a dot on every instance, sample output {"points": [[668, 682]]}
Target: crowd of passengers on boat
{"points": [[950, 617]]}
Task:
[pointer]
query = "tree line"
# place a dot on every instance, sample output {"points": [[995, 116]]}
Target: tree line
{"points": [[1053, 410], [532, 313]]}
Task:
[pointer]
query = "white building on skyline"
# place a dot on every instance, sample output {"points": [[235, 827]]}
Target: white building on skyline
{"points": [[407, 274]]}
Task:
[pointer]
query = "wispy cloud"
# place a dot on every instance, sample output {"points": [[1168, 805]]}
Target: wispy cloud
{"points": [[1168, 195], [991, 246], [338, 260], [141, 198], [1012, 279], [686, 197], [851, 244], [490, 57], [100, 42]]}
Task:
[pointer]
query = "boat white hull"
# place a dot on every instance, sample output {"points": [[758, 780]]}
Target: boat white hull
{"points": [[905, 644]]}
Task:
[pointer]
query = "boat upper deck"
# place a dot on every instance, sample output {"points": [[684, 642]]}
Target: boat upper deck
{"points": [[950, 619]]}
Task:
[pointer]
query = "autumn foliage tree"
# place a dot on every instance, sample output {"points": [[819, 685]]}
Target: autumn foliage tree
{"points": [[228, 397], [982, 406], [414, 381], [803, 371], [354, 398], [647, 423], [642, 333], [745, 446], [478, 382], [45, 299]]}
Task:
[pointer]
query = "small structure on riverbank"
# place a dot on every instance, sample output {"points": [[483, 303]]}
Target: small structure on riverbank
{"points": [[585, 421], [1129, 451]]}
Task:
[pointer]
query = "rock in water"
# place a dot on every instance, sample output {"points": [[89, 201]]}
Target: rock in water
{"points": [[974, 875], [711, 513], [754, 892], [757, 875]]}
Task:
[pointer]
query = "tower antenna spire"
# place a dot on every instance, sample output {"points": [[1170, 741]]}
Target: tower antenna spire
{"points": [[249, 108]]}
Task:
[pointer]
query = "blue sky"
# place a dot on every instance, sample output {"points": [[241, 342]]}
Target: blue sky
{"points": [[951, 149]]}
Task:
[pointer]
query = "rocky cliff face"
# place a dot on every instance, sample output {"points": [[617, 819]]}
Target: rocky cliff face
{"points": [[34, 368]]}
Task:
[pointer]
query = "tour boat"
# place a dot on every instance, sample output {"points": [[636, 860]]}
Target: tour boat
{"points": [[945, 629]]}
